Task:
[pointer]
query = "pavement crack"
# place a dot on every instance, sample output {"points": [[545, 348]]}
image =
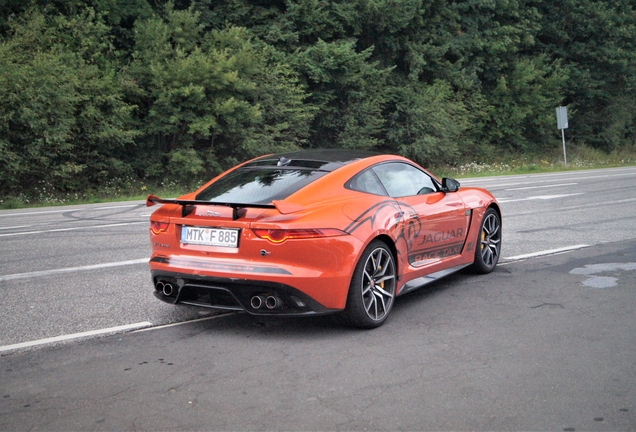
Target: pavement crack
{"points": [[554, 305]]}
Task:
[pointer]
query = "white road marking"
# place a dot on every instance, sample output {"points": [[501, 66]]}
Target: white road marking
{"points": [[113, 207], [16, 227], [67, 210], [526, 179], [75, 336], [577, 206], [539, 197], [34, 213], [545, 252], [72, 229], [601, 176], [71, 269], [541, 187], [186, 322]]}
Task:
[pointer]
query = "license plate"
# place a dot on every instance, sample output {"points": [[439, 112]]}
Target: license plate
{"points": [[210, 236]]}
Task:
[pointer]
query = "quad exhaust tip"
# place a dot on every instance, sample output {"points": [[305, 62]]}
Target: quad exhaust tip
{"points": [[166, 288], [258, 301], [270, 302], [273, 302]]}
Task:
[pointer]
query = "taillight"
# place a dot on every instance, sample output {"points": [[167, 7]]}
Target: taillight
{"points": [[159, 227], [280, 235]]}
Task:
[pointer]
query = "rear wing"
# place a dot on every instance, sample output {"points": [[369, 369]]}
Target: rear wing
{"points": [[238, 209]]}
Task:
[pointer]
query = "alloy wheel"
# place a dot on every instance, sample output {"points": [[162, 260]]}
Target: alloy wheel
{"points": [[378, 284], [490, 239]]}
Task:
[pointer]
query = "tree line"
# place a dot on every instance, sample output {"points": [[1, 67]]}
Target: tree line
{"points": [[105, 91]]}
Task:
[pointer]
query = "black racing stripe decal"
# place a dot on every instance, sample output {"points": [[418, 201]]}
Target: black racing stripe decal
{"points": [[407, 223], [422, 256], [218, 266], [370, 214]]}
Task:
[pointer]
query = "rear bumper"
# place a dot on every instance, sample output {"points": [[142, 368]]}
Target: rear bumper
{"points": [[234, 294], [317, 273]]}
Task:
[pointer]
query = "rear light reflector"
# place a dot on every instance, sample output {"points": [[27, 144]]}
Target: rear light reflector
{"points": [[159, 227], [280, 235]]}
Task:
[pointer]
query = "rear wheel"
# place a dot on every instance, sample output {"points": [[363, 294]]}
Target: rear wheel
{"points": [[488, 243], [372, 289]]}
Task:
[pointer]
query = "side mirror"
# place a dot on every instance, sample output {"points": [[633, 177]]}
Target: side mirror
{"points": [[449, 185]]}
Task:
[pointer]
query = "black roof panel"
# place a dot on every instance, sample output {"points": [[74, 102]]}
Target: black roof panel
{"points": [[321, 159]]}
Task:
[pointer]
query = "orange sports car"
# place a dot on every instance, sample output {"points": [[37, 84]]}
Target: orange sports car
{"points": [[319, 231]]}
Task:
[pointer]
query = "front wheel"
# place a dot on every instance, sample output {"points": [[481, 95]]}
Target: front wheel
{"points": [[372, 288], [488, 243]]}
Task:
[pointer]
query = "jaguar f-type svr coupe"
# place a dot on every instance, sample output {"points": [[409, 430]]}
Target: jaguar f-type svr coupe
{"points": [[319, 231]]}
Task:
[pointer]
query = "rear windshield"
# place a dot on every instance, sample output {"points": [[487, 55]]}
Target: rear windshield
{"points": [[258, 185]]}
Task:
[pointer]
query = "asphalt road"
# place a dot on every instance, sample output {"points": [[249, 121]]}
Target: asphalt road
{"points": [[550, 211], [531, 346], [68, 270], [542, 344]]}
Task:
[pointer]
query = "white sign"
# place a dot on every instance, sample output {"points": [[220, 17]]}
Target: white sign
{"points": [[562, 117]]}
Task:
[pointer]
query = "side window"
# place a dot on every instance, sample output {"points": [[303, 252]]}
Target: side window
{"points": [[367, 182], [401, 179]]}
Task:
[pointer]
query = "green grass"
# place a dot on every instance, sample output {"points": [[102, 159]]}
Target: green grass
{"points": [[125, 191], [579, 158]]}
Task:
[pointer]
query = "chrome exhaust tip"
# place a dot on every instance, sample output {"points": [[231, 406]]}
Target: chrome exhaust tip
{"points": [[168, 290], [273, 302], [257, 302]]}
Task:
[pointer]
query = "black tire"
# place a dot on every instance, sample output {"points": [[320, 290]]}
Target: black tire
{"points": [[488, 245], [372, 289]]}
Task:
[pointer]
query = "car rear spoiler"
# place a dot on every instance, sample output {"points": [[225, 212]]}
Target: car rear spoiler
{"points": [[238, 209]]}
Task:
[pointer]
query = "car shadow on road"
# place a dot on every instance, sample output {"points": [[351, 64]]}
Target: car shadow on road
{"points": [[328, 325]]}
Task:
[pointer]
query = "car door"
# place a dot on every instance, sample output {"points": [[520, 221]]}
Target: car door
{"points": [[435, 222]]}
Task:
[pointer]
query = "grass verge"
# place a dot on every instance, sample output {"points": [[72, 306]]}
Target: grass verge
{"points": [[579, 158]]}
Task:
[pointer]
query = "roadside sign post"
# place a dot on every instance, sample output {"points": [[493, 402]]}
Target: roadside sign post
{"points": [[562, 123]]}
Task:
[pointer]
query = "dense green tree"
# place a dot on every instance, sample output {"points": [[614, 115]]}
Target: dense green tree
{"points": [[427, 122], [92, 90], [210, 99], [524, 102], [63, 121], [349, 92], [596, 40]]}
